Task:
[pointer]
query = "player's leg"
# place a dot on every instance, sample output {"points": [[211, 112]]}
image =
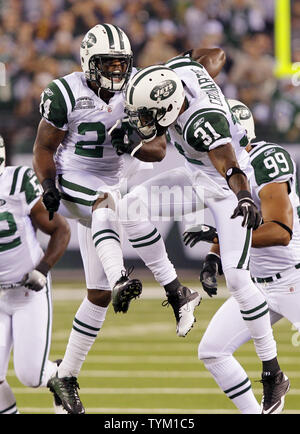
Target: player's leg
{"points": [[107, 238], [235, 244], [7, 399], [225, 333], [87, 324], [32, 338], [155, 198]]}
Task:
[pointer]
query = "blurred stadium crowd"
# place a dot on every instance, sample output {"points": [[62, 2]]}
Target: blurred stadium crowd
{"points": [[39, 41]]}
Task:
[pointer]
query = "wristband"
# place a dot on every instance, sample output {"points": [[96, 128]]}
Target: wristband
{"points": [[43, 268], [244, 194], [233, 171], [48, 183]]}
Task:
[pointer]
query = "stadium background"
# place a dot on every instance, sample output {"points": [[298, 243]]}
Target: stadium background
{"points": [[39, 41]]}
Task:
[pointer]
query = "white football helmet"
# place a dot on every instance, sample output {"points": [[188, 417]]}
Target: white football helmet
{"points": [[244, 116], [102, 43], [2, 155], [154, 95]]}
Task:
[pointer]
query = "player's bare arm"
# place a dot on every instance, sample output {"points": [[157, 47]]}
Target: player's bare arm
{"points": [[57, 228], [213, 59], [154, 150], [276, 208], [223, 158], [47, 141]]}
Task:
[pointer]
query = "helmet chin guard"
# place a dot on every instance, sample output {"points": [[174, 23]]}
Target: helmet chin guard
{"points": [[103, 43]]}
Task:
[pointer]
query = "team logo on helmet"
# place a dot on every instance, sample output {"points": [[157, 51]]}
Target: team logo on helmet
{"points": [[89, 41], [241, 112], [163, 91]]}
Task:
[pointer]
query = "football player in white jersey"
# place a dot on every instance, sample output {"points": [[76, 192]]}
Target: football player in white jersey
{"points": [[274, 267], [183, 97], [25, 284], [80, 172]]}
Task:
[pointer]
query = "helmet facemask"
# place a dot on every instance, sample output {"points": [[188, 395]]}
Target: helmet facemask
{"points": [[144, 119], [105, 75]]}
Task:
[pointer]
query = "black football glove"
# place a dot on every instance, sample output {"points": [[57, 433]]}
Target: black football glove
{"points": [[201, 233], [208, 275], [51, 197], [120, 137], [248, 210]]}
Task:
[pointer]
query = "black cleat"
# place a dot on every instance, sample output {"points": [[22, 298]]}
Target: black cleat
{"points": [[275, 389], [183, 301], [66, 394], [124, 291]]}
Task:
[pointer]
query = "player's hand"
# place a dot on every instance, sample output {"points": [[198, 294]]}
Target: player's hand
{"points": [[120, 137], [200, 233], [51, 197], [208, 275], [248, 210], [34, 280]]}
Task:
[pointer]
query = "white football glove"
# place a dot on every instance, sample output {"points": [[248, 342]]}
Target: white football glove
{"points": [[34, 280]]}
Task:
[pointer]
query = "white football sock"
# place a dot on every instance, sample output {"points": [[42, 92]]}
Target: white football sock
{"points": [[107, 240], [7, 399], [254, 311], [234, 382], [86, 325]]}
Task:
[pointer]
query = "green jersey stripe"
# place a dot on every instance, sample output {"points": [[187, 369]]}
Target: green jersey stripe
{"points": [[110, 37], [140, 78], [14, 183], [68, 89], [11, 245], [105, 231], [76, 187], [85, 325], [246, 312], [143, 238], [69, 198], [147, 244], [182, 64], [245, 249], [264, 147], [237, 386]]}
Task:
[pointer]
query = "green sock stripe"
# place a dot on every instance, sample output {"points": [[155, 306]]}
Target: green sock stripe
{"points": [[106, 238], [240, 393], [86, 325], [257, 316], [147, 244], [105, 231], [84, 333], [237, 386], [246, 312], [143, 238], [8, 408]]}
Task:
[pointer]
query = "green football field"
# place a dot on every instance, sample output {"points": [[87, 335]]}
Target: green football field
{"points": [[139, 366]]}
